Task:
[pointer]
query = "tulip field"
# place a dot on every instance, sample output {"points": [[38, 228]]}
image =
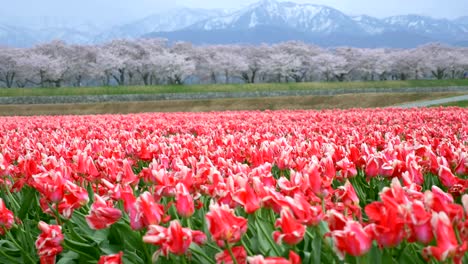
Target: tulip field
{"points": [[333, 186]]}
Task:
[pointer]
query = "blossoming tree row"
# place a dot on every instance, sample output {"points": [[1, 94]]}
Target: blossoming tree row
{"points": [[150, 61]]}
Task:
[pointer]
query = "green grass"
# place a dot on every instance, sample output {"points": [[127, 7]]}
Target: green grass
{"points": [[68, 91], [459, 104]]}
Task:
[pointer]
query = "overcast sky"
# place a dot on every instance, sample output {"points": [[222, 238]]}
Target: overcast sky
{"points": [[112, 11]]}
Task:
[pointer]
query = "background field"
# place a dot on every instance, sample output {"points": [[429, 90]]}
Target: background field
{"points": [[270, 103], [459, 104], [68, 91]]}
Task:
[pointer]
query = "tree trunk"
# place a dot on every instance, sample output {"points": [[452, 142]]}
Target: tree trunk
{"points": [[213, 77], [226, 76], [254, 73], [145, 78], [79, 78], [340, 77]]}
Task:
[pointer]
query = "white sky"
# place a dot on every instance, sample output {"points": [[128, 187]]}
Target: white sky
{"points": [[112, 11]]}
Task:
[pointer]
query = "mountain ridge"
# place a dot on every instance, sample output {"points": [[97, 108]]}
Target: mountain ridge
{"points": [[291, 21]]}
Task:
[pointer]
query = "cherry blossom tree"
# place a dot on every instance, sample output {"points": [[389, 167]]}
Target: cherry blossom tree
{"points": [[9, 68], [155, 61]]}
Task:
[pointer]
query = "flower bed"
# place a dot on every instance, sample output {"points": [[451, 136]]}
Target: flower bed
{"points": [[356, 186]]}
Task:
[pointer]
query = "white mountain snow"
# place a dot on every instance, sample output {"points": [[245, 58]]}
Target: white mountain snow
{"points": [[308, 20]]}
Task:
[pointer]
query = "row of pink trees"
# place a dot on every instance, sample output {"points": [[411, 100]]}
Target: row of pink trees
{"points": [[155, 61]]}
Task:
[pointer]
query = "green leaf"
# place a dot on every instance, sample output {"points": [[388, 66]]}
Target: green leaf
{"points": [[387, 257], [375, 255], [86, 251], [409, 256], [28, 199], [317, 247], [8, 246], [90, 190], [68, 257]]}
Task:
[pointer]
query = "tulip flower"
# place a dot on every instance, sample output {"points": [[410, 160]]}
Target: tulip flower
{"points": [[420, 224], [248, 199], [292, 232], [293, 259], [101, 214], [111, 259], [175, 239], [447, 246], [145, 212], [225, 258], [224, 226], [352, 240], [184, 201], [7, 218], [48, 244]]}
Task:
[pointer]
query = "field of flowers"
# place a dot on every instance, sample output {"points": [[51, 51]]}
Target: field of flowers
{"points": [[354, 186]]}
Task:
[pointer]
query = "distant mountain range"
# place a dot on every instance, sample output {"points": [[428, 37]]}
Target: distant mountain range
{"points": [[267, 21]]}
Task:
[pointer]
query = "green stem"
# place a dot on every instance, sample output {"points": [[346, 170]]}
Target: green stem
{"points": [[182, 259], [145, 249], [13, 240], [189, 224], [175, 212], [234, 260], [362, 259], [66, 246], [202, 255], [211, 246], [13, 200], [268, 238], [249, 252], [10, 257]]}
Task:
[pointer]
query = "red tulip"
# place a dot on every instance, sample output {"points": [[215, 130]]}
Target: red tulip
{"points": [[420, 223], [145, 212], [465, 204], [224, 226], [313, 177], [101, 214], [352, 240], [248, 199], [462, 166], [179, 238], [184, 201], [7, 218], [50, 185], [347, 168], [48, 242], [293, 259], [111, 259], [439, 201], [292, 232], [447, 246], [303, 211], [335, 220], [239, 254], [347, 194], [447, 178], [388, 228], [372, 167], [175, 239]]}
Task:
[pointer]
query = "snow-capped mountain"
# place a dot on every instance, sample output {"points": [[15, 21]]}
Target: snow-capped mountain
{"points": [[272, 21], [370, 25], [271, 13], [268, 21], [15, 36], [172, 20], [462, 20], [426, 26]]}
